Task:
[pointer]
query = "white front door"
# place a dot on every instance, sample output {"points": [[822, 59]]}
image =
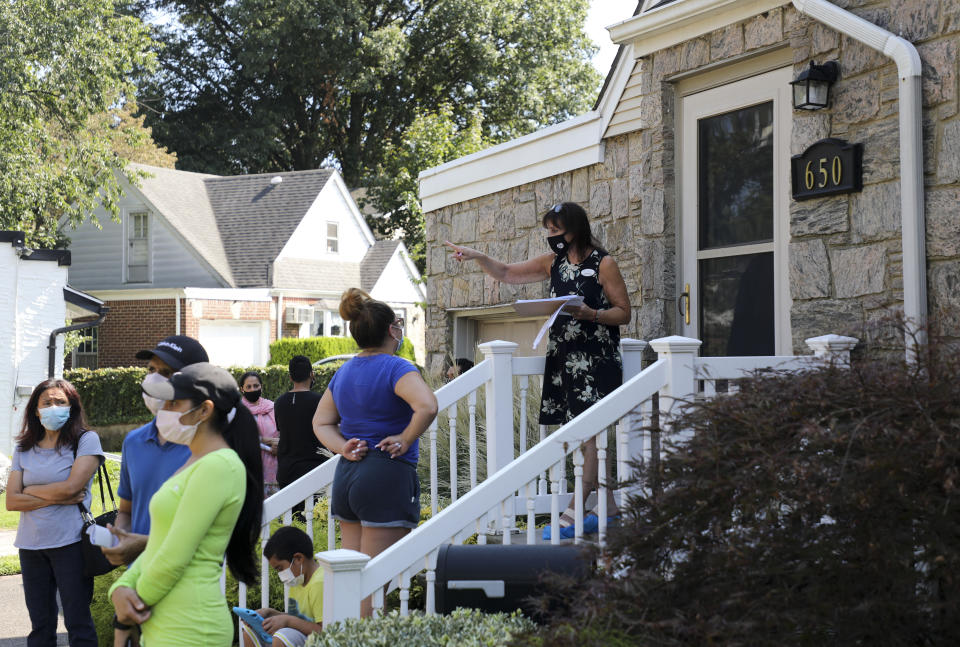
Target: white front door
{"points": [[734, 211]]}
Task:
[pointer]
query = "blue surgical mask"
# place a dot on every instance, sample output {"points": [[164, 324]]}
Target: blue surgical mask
{"points": [[54, 417]]}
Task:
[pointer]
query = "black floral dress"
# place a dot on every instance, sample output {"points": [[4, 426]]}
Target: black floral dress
{"points": [[583, 358]]}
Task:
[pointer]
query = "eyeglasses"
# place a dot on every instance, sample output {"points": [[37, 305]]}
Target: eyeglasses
{"points": [[399, 323]]}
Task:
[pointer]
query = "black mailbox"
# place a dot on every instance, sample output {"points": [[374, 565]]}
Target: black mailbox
{"points": [[499, 578]]}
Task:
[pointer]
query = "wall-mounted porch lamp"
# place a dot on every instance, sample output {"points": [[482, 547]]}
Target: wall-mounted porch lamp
{"points": [[811, 90]]}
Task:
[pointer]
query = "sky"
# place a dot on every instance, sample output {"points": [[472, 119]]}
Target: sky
{"points": [[602, 14]]}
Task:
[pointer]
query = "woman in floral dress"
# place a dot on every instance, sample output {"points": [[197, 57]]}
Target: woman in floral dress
{"points": [[583, 362]]}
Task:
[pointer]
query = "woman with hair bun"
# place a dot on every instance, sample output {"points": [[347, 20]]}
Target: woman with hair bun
{"points": [[372, 414]]}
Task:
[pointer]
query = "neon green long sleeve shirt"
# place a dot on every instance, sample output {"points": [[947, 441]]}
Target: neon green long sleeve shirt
{"points": [[192, 516]]}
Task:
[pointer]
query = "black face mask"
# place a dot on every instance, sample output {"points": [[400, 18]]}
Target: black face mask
{"points": [[252, 396], [557, 244]]}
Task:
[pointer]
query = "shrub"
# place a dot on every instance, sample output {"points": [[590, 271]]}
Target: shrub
{"points": [[810, 509], [316, 348], [462, 628], [112, 396]]}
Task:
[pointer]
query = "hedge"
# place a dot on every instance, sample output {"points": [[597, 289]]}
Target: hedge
{"points": [[462, 628], [316, 348], [112, 396]]}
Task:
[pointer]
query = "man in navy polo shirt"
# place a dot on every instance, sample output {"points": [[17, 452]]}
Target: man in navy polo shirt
{"points": [[148, 460]]}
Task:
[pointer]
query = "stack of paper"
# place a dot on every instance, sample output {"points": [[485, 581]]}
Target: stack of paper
{"points": [[547, 307]]}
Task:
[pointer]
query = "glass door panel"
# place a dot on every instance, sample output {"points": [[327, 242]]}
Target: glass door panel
{"points": [[736, 305], [735, 160]]}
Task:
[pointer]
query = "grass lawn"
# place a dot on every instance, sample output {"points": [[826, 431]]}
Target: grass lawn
{"points": [[8, 520]]}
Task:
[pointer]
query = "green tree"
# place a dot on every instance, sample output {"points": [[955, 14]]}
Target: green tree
{"points": [[129, 138], [264, 85], [63, 64], [432, 139]]}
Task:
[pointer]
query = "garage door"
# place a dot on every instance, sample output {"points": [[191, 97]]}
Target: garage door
{"points": [[235, 343]]}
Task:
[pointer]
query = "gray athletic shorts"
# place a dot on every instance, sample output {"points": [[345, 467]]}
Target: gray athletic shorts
{"points": [[378, 491]]}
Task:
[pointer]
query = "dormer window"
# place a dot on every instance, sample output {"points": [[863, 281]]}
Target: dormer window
{"points": [[333, 237], [138, 247]]}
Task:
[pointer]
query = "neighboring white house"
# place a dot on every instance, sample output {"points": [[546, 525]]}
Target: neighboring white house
{"points": [[34, 302], [236, 262]]}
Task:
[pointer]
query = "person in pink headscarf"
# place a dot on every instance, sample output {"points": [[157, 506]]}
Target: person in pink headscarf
{"points": [[262, 409]]}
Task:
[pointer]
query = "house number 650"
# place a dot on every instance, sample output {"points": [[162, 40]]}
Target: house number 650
{"points": [[835, 174]]}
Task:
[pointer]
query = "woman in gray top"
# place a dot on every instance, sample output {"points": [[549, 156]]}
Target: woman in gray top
{"points": [[53, 464]]}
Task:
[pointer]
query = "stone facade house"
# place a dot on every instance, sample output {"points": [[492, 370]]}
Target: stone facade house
{"points": [[684, 166]]}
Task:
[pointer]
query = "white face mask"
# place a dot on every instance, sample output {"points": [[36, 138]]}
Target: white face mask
{"points": [[153, 404], [288, 578], [172, 430]]}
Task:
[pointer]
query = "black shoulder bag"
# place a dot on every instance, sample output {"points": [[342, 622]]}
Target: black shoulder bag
{"points": [[94, 561]]}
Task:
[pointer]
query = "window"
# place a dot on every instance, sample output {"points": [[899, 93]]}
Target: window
{"points": [[85, 355], [318, 323], [333, 241], [138, 248], [337, 329]]}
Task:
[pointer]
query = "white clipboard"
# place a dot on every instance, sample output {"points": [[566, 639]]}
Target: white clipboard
{"points": [[550, 308]]}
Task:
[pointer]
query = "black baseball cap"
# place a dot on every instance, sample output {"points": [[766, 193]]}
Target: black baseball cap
{"points": [[202, 381], [177, 351]]}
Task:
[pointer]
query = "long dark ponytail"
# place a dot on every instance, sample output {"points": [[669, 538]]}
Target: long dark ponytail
{"points": [[243, 436]]}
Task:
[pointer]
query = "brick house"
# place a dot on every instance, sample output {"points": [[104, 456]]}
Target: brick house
{"points": [[684, 166], [235, 262]]}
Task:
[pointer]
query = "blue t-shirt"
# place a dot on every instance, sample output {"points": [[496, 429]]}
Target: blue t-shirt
{"points": [[52, 526], [146, 465], [369, 409]]}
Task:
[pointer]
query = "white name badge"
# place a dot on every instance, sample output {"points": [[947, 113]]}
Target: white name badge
{"points": [[587, 272]]}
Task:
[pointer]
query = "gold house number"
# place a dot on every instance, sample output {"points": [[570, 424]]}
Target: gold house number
{"points": [[835, 174], [828, 167]]}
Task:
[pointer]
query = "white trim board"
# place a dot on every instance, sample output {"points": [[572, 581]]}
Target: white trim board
{"points": [[681, 21]]}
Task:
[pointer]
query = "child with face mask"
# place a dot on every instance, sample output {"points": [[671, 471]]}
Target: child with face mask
{"points": [[289, 552]]}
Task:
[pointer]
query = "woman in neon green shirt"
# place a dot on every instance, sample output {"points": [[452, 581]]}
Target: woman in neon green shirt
{"points": [[211, 506]]}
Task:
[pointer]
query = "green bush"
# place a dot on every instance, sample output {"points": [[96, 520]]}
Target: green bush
{"points": [[808, 509], [112, 396], [316, 348], [462, 628]]}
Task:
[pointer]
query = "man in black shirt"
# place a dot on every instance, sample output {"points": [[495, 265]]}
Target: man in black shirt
{"points": [[299, 450]]}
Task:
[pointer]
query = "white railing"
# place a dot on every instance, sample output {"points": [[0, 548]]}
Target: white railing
{"points": [[493, 379], [512, 490]]}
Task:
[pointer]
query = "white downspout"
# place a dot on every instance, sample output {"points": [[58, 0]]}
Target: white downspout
{"points": [[176, 300], [911, 154]]}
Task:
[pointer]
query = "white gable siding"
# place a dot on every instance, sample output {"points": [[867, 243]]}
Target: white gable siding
{"points": [[395, 284], [626, 117], [309, 239], [98, 254]]}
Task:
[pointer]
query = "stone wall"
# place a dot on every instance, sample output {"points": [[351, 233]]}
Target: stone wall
{"points": [[845, 251]]}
